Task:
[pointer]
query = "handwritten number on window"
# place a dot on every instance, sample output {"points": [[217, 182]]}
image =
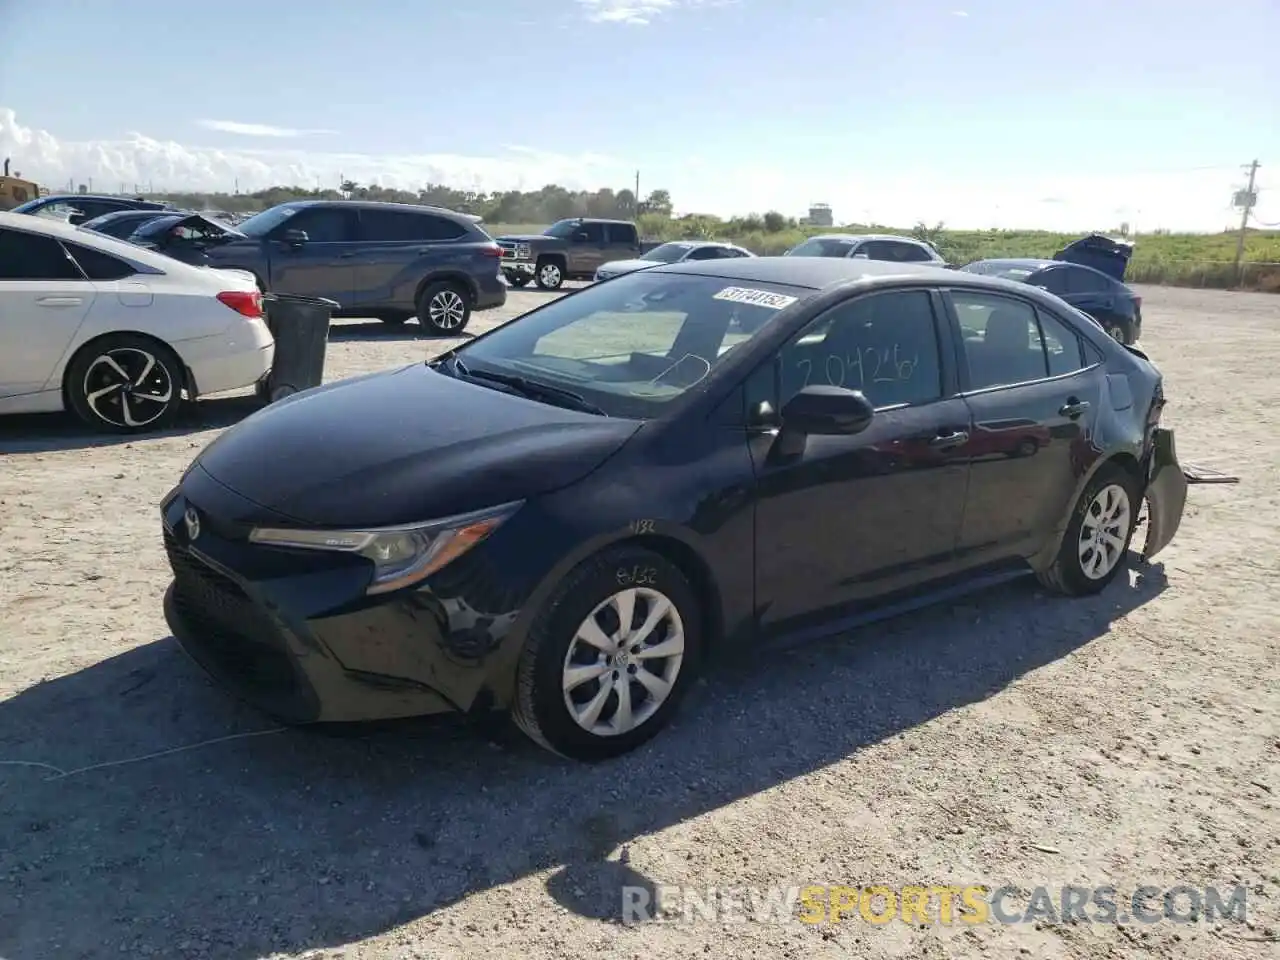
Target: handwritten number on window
{"points": [[870, 365]]}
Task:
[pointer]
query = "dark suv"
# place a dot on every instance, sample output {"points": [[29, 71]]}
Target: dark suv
{"points": [[392, 261]]}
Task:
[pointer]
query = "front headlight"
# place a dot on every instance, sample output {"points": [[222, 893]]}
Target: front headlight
{"points": [[401, 555]]}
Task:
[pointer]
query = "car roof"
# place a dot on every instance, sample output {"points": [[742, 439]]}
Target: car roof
{"points": [[127, 214], [379, 205], [1035, 262], [866, 236]]}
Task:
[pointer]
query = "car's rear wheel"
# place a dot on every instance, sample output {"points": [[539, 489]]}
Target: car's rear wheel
{"points": [[1096, 543], [549, 274], [518, 279], [125, 384], [609, 656], [444, 308]]}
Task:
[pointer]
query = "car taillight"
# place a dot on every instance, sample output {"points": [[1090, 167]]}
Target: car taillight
{"points": [[247, 303], [1157, 407], [491, 250]]}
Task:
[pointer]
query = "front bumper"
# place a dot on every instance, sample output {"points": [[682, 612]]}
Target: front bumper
{"points": [[1166, 494], [292, 632]]}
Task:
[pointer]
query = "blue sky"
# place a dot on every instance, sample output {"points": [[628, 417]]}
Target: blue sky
{"points": [[974, 112]]}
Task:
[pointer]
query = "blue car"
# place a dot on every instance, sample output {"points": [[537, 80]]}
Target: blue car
{"points": [[1088, 274]]}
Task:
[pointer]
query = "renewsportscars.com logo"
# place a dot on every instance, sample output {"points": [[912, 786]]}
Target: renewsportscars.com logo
{"points": [[934, 904]]}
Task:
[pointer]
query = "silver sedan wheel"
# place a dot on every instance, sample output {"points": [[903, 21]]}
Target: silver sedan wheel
{"points": [[549, 275], [128, 387], [1104, 530], [623, 662], [447, 309]]}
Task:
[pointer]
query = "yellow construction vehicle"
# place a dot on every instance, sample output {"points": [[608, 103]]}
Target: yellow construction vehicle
{"points": [[14, 190]]}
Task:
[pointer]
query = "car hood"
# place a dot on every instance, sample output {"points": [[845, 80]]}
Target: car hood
{"points": [[628, 266], [1102, 253], [406, 445], [523, 237]]}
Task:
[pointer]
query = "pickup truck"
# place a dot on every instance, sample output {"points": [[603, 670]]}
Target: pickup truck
{"points": [[572, 249]]}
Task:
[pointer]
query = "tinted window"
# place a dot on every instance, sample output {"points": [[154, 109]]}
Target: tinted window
{"points": [[707, 253], [392, 225], [912, 253], [1002, 342], [885, 345], [623, 233], [594, 232], [323, 224], [440, 228], [1061, 345], [823, 247], [668, 252], [29, 256], [1085, 281], [1054, 280], [98, 265], [635, 343]]}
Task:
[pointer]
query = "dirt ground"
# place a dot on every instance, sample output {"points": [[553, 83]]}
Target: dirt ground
{"points": [[1132, 739]]}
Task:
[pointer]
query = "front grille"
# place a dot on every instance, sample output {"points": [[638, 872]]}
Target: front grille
{"points": [[226, 623]]}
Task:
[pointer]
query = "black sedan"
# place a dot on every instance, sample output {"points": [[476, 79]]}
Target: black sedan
{"points": [[564, 516]]}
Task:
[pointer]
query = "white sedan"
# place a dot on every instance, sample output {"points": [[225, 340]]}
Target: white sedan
{"points": [[116, 333], [678, 251]]}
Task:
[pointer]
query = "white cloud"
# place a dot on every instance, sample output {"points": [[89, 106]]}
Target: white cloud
{"points": [[959, 13], [639, 12], [256, 129], [139, 159]]}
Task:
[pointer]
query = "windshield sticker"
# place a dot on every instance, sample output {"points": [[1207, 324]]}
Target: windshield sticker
{"points": [[757, 298]]}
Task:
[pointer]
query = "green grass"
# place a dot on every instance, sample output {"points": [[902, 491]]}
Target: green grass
{"points": [[1177, 259]]}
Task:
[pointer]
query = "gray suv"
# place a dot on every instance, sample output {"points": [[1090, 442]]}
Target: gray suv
{"points": [[869, 247], [391, 261]]}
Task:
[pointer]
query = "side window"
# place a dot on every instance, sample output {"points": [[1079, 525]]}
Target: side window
{"points": [[1002, 343], [383, 226], [98, 265], [1084, 281], [1061, 345], [1054, 280], [876, 250], [594, 232], [705, 253], [912, 253], [885, 345], [431, 227], [30, 256], [322, 224], [623, 234]]}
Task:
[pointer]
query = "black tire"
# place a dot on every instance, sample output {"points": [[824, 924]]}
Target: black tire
{"points": [[1067, 575], [540, 708], [444, 308], [517, 279], [151, 398], [548, 274]]}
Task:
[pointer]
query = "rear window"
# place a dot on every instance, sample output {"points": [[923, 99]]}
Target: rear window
{"points": [[98, 265], [823, 247]]}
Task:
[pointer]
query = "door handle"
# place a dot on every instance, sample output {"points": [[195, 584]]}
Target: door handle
{"points": [[1073, 408], [60, 301], [945, 441]]}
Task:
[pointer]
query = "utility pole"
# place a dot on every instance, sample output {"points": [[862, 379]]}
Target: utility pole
{"points": [[637, 191], [1245, 200]]}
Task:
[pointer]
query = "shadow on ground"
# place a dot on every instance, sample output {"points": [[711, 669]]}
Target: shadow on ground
{"points": [[348, 331], [48, 432], [293, 840]]}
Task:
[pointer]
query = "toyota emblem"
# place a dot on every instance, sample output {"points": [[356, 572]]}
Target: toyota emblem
{"points": [[192, 520]]}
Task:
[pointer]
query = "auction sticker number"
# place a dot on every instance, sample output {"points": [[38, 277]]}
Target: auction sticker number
{"points": [[756, 298]]}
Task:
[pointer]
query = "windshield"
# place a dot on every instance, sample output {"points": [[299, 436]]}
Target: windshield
{"points": [[668, 252], [1007, 271], [823, 247], [562, 229], [636, 343], [266, 221]]}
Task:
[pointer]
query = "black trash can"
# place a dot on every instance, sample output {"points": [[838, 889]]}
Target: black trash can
{"points": [[300, 326]]}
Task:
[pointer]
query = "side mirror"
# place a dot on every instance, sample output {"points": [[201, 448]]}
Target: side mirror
{"points": [[580, 237], [861, 256], [294, 238], [821, 411]]}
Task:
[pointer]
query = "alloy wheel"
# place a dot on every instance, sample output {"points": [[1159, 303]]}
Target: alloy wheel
{"points": [[1104, 531], [128, 387], [549, 275], [623, 661], [447, 310]]}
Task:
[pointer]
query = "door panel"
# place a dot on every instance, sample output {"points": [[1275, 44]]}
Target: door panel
{"points": [[324, 266], [1028, 446], [856, 517], [587, 256]]}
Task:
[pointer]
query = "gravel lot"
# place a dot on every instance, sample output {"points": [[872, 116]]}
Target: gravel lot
{"points": [[1130, 739]]}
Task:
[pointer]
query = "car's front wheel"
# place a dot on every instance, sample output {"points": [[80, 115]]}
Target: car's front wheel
{"points": [[1096, 542], [125, 384], [517, 279], [444, 308], [549, 274], [609, 656]]}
